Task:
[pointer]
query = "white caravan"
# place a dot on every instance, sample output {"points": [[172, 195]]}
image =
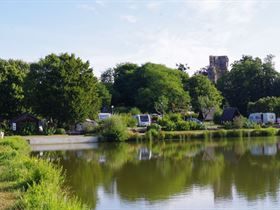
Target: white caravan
{"points": [[263, 118], [143, 120], [104, 116]]}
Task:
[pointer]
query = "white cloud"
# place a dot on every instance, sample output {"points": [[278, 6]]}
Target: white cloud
{"points": [[129, 18]]}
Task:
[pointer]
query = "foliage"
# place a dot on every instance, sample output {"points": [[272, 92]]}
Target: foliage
{"points": [[147, 86], [12, 78], [228, 125], [203, 93], [28, 128], [5, 126], [249, 80], [238, 122], [175, 121], [39, 181], [217, 116], [114, 128], [63, 88], [265, 104], [104, 96], [154, 126], [134, 111], [128, 120], [60, 131]]}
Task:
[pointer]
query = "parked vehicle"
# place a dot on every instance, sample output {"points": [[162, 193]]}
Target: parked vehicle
{"points": [[194, 120], [143, 120], [104, 116], [263, 118]]}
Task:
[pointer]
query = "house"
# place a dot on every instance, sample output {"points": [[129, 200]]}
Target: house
{"points": [[18, 122], [207, 115], [229, 114]]}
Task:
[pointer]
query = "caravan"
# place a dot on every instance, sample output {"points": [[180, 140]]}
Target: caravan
{"points": [[143, 120], [263, 118]]}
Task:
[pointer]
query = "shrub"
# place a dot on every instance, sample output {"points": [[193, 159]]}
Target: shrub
{"points": [[175, 117], [167, 124], [183, 126], [129, 120], [228, 125], [5, 126], [217, 117], [238, 122], [114, 128], [134, 111], [89, 128], [49, 130], [60, 131], [28, 128], [154, 126]]}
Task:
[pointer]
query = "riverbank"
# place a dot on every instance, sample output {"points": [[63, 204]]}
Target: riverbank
{"points": [[30, 183], [205, 134]]}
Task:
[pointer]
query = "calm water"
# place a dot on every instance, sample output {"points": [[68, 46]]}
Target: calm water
{"points": [[236, 174]]}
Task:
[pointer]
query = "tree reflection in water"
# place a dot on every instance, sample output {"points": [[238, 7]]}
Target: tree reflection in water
{"points": [[250, 166]]}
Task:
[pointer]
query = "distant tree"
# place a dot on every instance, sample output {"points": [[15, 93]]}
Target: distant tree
{"points": [[182, 67], [202, 71], [156, 81], [12, 76], [266, 104], [63, 88], [104, 96], [161, 105], [203, 93], [249, 80], [107, 77]]}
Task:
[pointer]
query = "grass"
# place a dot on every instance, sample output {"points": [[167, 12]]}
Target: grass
{"points": [[31, 183], [208, 134]]}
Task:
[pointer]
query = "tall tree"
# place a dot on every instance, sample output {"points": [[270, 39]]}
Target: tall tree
{"points": [[203, 93], [249, 80], [12, 76], [63, 88]]}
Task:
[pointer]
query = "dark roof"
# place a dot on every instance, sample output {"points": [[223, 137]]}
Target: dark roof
{"points": [[229, 114], [24, 117]]}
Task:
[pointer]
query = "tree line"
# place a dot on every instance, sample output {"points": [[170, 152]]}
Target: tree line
{"points": [[63, 88]]}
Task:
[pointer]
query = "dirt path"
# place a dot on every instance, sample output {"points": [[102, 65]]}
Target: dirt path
{"points": [[7, 199]]}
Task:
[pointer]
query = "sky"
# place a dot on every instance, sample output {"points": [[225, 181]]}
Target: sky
{"points": [[108, 32]]}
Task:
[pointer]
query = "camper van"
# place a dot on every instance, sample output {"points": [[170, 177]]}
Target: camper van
{"points": [[143, 120], [263, 118], [104, 116]]}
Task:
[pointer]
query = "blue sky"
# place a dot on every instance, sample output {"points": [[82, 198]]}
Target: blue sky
{"points": [[107, 32]]}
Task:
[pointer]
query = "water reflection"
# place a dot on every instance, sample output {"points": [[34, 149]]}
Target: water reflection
{"points": [[234, 174]]}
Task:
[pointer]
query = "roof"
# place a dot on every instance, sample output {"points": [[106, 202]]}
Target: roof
{"points": [[229, 114], [23, 117]]}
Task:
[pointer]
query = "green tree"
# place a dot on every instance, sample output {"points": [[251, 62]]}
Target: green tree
{"points": [[12, 76], [156, 81], [266, 104], [63, 88], [204, 94], [104, 96], [249, 80]]}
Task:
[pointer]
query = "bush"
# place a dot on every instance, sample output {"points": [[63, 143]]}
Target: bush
{"points": [[129, 120], [5, 126], [183, 126], [217, 117], [114, 128], [154, 126], [238, 122], [28, 128], [175, 117], [60, 131], [228, 125], [134, 111]]}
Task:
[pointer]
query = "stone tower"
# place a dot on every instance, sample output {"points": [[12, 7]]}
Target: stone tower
{"points": [[218, 67]]}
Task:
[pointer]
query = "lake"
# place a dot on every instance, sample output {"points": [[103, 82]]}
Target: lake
{"points": [[229, 174]]}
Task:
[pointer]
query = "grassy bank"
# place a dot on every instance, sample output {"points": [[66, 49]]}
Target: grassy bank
{"points": [[30, 183], [205, 134]]}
